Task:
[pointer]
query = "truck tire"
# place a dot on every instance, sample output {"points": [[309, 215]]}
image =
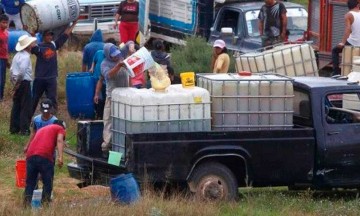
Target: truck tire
{"points": [[214, 182]]}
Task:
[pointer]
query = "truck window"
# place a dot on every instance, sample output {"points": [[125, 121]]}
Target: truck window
{"points": [[229, 18], [302, 109], [342, 108]]}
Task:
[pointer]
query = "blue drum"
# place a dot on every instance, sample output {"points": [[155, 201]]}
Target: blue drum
{"points": [[80, 89]]}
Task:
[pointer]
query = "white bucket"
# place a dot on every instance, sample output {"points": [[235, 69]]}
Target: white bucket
{"points": [[139, 61], [40, 15]]}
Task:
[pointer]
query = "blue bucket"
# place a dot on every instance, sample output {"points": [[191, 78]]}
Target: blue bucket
{"points": [[124, 189], [80, 89]]}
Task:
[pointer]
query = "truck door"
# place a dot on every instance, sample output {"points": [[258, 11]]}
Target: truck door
{"points": [[144, 23], [229, 19], [341, 121]]}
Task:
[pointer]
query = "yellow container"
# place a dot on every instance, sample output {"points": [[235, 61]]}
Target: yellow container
{"points": [[187, 79]]}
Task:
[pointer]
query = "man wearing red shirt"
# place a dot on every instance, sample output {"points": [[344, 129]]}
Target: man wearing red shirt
{"points": [[40, 159], [4, 63]]}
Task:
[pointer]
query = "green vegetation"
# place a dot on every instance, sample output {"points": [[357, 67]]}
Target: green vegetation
{"points": [[194, 57]]}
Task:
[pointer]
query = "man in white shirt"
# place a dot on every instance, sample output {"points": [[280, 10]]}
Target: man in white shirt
{"points": [[20, 72], [351, 33]]}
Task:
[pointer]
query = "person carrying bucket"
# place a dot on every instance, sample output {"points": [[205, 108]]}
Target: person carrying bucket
{"points": [[115, 74], [40, 159]]}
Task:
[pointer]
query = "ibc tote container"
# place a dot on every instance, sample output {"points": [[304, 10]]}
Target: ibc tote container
{"points": [[289, 60], [146, 111], [260, 101]]}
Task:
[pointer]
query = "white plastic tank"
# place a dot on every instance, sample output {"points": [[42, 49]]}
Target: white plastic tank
{"points": [[251, 102], [352, 101], [290, 60], [348, 56]]}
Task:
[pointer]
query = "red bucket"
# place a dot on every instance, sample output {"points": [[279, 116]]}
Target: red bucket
{"points": [[20, 173]]}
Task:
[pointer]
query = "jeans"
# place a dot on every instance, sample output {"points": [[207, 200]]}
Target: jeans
{"points": [[335, 59], [49, 86], [35, 165], [2, 77], [21, 110]]}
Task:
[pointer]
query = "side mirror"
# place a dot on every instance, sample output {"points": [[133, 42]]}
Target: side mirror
{"points": [[227, 30], [212, 29]]}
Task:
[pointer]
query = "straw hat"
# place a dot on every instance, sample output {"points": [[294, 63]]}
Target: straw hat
{"points": [[23, 42]]}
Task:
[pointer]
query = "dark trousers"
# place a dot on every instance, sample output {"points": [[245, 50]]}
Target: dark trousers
{"points": [[21, 111], [36, 165], [49, 86], [2, 77], [335, 59]]}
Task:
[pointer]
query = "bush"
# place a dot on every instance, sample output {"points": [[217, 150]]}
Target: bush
{"points": [[195, 56]]}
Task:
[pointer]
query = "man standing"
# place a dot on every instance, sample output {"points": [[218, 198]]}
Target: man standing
{"points": [[21, 77], [12, 10], [96, 43], [4, 63], [114, 73], [351, 34], [46, 68], [272, 23], [40, 160], [128, 12]]}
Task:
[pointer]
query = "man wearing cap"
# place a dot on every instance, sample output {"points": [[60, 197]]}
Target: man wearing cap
{"points": [[115, 75], [45, 118], [40, 159], [220, 59], [20, 72], [46, 68]]}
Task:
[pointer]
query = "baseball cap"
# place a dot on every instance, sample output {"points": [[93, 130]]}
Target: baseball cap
{"points": [[60, 122], [219, 43], [45, 105], [115, 52]]}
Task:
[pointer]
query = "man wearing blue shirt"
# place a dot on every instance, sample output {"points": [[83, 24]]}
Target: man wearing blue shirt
{"points": [[12, 10]]}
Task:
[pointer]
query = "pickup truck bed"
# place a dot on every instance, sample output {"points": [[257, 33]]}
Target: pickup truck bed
{"points": [[269, 155]]}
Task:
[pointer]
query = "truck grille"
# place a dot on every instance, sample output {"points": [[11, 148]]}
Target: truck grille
{"points": [[102, 11]]}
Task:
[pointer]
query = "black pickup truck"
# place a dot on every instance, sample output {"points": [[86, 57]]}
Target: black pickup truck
{"points": [[321, 150]]}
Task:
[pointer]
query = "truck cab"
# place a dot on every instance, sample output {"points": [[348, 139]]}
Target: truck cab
{"points": [[237, 25]]}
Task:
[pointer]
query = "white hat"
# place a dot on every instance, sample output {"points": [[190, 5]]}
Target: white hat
{"points": [[219, 43], [24, 41]]}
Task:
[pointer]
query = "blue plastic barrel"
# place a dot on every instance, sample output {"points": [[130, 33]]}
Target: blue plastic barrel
{"points": [[80, 91], [124, 189], [14, 37]]}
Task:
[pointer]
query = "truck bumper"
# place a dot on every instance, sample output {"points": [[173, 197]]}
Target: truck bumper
{"points": [[92, 170]]}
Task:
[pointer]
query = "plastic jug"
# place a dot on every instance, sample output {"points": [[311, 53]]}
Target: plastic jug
{"points": [[36, 199]]}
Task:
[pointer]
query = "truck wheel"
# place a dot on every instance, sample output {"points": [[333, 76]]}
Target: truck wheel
{"points": [[214, 182]]}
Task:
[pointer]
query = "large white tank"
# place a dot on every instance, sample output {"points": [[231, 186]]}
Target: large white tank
{"points": [[146, 111], [290, 60], [348, 59], [249, 102], [352, 101]]}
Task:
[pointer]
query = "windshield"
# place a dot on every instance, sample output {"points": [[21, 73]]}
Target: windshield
{"points": [[297, 21]]}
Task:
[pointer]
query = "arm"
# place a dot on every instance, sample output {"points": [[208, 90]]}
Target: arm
{"points": [[261, 27], [113, 71], [60, 147], [219, 64], [32, 135], [349, 19], [91, 70], [99, 85], [284, 25], [69, 29]]}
